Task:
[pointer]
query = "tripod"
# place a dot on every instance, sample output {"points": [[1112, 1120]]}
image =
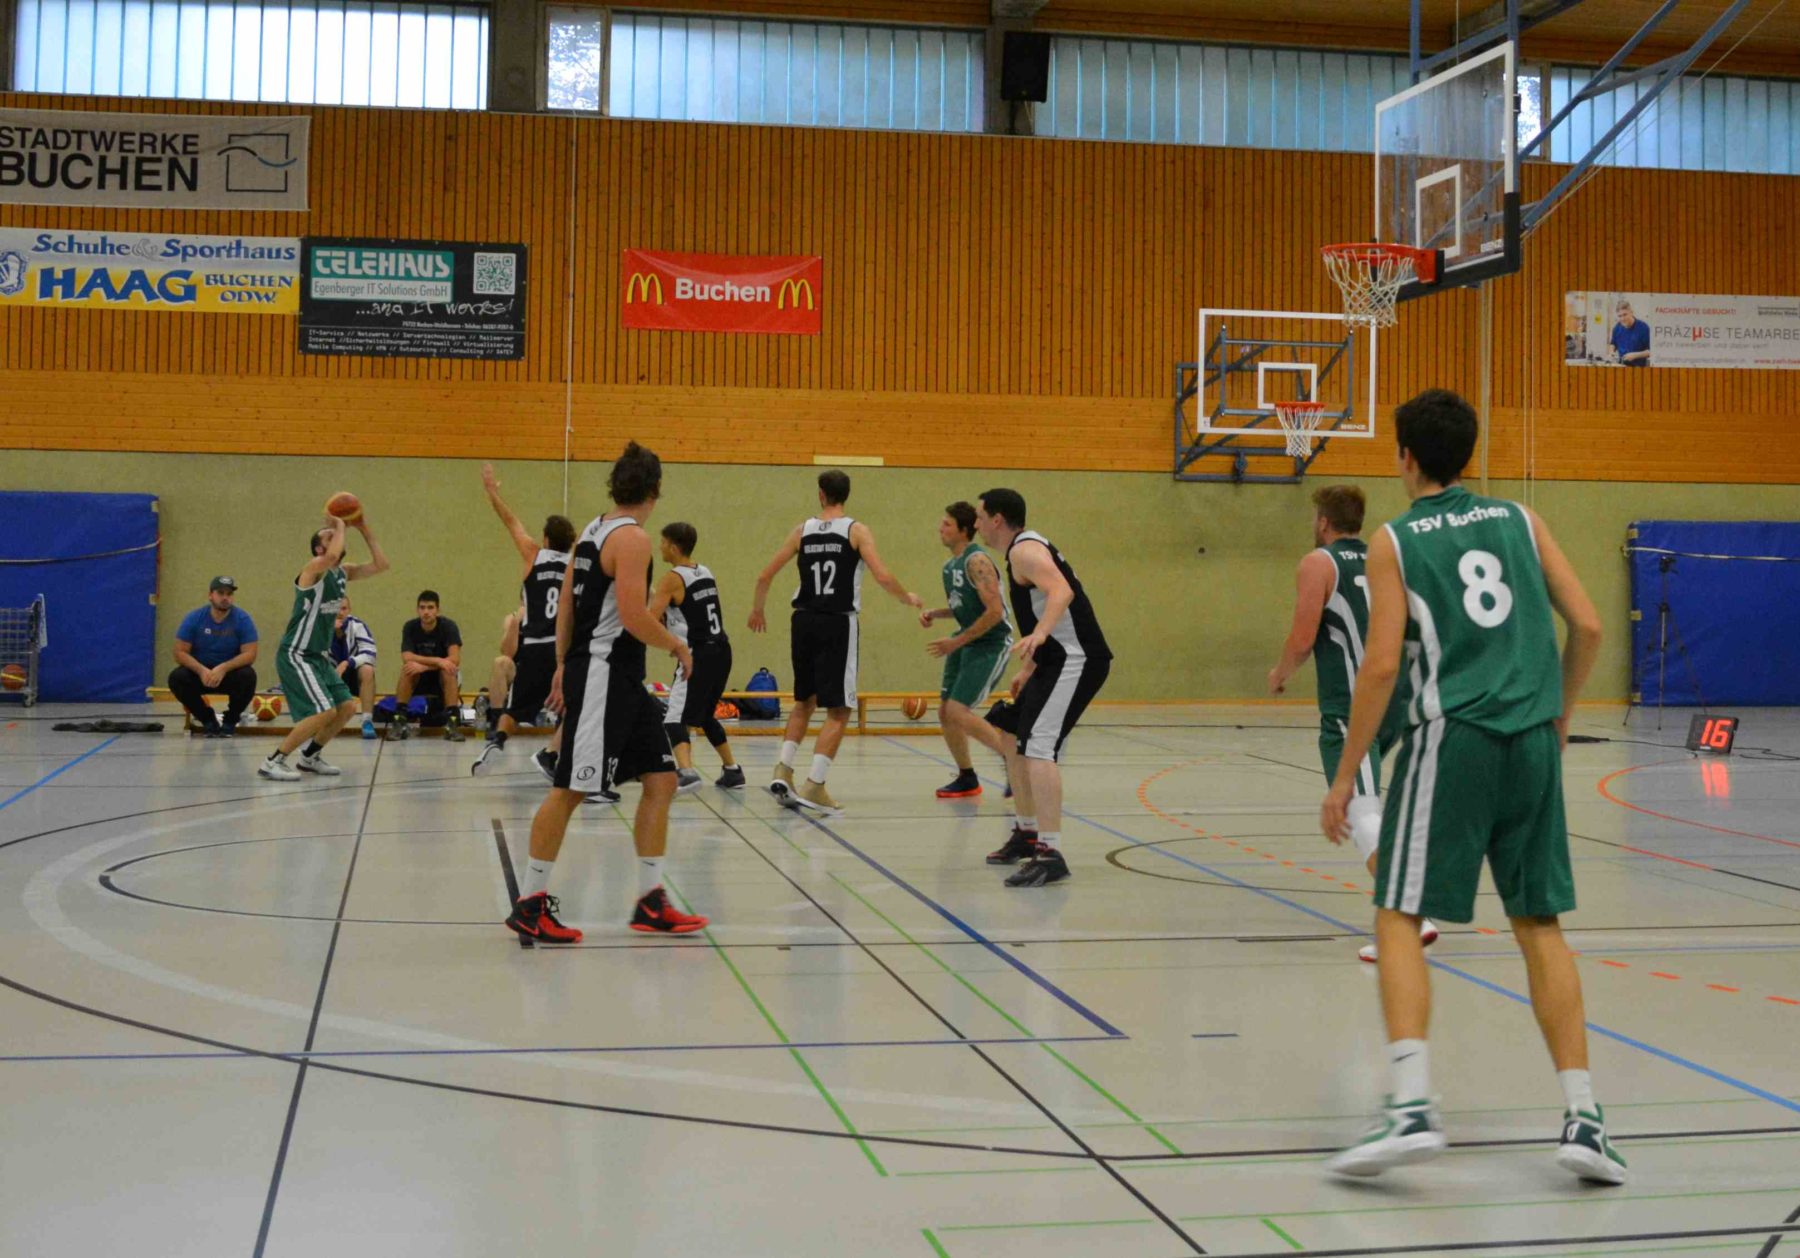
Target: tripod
{"points": [[1666, 629]]}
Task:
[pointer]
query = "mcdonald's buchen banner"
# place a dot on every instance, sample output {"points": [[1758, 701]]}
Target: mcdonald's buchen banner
{"points": [[721, 292]]}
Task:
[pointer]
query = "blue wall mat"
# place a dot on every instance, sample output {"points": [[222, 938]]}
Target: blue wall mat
{"points": [[1733, 591], [101, 618]]}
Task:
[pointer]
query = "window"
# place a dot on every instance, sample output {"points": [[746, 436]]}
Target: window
{"points": [[788, 73], [1716, 122], [325, 52]]}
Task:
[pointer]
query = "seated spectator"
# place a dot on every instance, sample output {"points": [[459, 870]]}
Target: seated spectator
{"points": [[214, 650], [353, 655], [430, 659]]}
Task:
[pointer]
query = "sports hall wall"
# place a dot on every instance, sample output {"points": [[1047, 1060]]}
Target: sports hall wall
{"points": [[989, 303]]}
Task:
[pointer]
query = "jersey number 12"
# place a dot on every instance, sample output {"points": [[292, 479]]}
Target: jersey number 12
{"points": [[825, 578]]}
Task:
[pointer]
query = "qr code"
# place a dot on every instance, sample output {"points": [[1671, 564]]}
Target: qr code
{"points": [[496, 274]]}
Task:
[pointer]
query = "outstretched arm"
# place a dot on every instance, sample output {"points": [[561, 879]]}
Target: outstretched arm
{"points": [[864, 541], [378, 562], [1312, 589], [781, 559], [522, 541]]}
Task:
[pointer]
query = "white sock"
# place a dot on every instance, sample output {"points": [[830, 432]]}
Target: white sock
{"points": [[821, 766], [537, 877], [1365, 824], [1048, 838], [1408, 1071], [1578, 1091], [649, 874], [790, 752], [1027, 824]]}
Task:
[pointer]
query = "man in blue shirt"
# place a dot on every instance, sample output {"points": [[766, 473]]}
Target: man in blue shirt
{"points": [[214, 650], [1631, 338]]}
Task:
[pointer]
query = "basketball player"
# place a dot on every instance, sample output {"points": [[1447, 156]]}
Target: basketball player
{"points": [[612, 728], [318, 698], [546, 560], [1466, 586], [833, 550], [1331, 622], [1066, 661], [687, 601], [975, 656]]}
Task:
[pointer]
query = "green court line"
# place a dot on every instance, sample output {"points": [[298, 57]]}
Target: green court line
{"points": [[1270, 1224], [775, 1026], [937, 1246], [943, 965]]}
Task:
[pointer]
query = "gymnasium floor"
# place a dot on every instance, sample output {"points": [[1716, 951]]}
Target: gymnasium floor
{"points": [[241, 1017]]}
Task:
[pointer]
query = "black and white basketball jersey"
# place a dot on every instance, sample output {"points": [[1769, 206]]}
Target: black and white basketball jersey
{"points": [[830, 569], [697, 620], [599, 629], [542, 589], [1077, 633]]}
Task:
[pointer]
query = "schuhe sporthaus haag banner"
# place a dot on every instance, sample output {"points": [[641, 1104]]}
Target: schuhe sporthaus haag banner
{"points": [[153, 161], [42, 266], [719, 292], [1681, 330]]}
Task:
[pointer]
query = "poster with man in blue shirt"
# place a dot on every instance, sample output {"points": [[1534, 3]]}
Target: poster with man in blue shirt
{"points": [[1630, 338], [215, 648]]}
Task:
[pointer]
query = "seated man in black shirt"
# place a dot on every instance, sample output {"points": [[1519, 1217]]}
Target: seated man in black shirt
{"points": [[430, 658]]}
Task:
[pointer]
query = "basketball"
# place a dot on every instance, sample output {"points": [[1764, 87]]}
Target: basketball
{"points": [[912, 708], [345, 505], [265, 707], [12, 677]]}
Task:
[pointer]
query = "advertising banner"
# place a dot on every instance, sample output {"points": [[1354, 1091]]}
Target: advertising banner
{"points": [[1681, 330], [412, 298], [164, 161], [135, 271], [716, 292]]}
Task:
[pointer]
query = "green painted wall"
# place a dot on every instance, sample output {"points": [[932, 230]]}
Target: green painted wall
{"points": [[1185, 624]]}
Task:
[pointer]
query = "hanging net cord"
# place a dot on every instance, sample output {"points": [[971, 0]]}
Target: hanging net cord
{"points": [[1299, 422], [1370, 276]]}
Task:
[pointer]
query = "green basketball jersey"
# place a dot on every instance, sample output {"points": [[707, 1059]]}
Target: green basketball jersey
{"points": [[1480, 637], [965, 600], [1338, 648], [310, 627]]}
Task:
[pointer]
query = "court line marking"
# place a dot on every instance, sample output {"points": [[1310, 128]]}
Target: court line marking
{"points": [[1600, 786], [16, 796], [1606, 1032]]}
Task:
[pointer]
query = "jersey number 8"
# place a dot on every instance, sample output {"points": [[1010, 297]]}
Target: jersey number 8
{"points": [[1485, 597], [555, 598]]}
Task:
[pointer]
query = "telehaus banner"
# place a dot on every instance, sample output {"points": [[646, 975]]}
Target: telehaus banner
{"points": [[166, 161], [717, 292]]}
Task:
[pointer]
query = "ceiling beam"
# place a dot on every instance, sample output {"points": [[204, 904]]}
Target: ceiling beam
{"points": [[1016, 10]]}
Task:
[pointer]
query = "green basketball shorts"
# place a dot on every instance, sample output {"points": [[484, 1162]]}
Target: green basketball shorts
{"points": [[309, 683], [971, 674], [1461, 795]]}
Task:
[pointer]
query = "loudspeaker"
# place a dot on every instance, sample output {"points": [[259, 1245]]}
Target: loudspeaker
{"points": [[1025, 66]]}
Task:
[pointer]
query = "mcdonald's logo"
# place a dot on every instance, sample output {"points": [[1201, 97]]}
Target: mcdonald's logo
{"points": [[793, 289], [642, 284]]}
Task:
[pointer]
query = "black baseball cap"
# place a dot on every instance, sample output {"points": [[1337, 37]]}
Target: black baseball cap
{"points": [[222, 583]]}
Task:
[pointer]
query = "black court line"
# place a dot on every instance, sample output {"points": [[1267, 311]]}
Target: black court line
{"points": [[1511, 1142], [1068, 1132], [1536, 1242], [312, 1028], [1694, 865], [1768, 1249], [506, 872]]}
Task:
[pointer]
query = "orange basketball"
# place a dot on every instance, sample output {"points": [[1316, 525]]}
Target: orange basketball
{"points": [[12, 677], [266, 707], [912, 708], [345, 505]]}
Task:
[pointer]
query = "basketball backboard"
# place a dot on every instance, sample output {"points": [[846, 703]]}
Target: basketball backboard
{"points": [[1251, 359], [1446, 170]]}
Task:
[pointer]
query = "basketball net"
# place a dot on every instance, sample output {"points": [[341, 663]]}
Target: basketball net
{"points": [[1299, 422], [1372, 275]]}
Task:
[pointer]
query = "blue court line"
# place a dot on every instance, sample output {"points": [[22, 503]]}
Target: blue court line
{"points": [[618, 1048], [1596, 1028], [1112, 1032], [56, 773]]}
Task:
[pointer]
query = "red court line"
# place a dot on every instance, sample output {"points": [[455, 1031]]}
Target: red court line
{"points": [[1651, 812]]}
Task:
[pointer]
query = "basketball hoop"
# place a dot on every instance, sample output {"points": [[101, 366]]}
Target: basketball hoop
{"points": [[1371, 276], [1299, 421]]}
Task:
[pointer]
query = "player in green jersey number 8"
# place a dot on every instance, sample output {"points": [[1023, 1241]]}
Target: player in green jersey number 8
{"points": [[1467, 587]]}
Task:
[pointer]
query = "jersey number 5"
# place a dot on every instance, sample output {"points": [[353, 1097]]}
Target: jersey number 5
{"points": [[1485, 596], [712, 619]]}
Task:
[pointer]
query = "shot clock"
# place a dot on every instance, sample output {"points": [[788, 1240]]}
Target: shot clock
{"points": [[1713, 734]]}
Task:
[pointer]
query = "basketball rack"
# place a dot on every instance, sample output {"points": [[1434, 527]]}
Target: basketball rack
{"points": [[22, 637]]}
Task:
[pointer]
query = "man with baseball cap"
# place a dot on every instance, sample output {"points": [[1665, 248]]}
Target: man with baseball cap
{"points": [[214, 650]]}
